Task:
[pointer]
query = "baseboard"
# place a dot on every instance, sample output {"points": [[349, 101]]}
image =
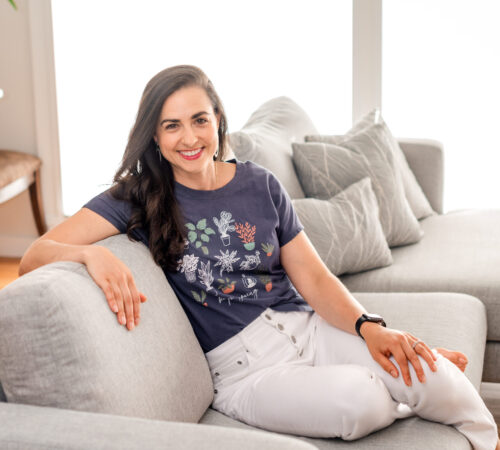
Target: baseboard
{"points": [[14, 246]]}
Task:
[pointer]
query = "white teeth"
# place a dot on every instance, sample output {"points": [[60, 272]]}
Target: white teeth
{"points": [[192, 152]]}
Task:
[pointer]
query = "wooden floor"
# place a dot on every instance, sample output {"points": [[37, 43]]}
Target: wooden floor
{"points": [[8, 270]]}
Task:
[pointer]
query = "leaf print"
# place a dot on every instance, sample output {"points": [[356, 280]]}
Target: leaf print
{"points": [[202, 224], [226, 261], [209, 230], [192, 236], [204, 238], [205, 250], [203, 295], [205, 275], [196, 296], [198, 244], [190, 226]]}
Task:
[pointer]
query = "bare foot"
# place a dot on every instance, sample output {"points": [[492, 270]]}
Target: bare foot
{"points": [[457, 358]]}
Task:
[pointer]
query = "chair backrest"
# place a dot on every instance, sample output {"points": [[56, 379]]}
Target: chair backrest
{"points": [[62, 346]]}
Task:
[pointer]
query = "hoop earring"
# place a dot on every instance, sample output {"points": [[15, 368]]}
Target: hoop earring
{"points": [[216, 154]]}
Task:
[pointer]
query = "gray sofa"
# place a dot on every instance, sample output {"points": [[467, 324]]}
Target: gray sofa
{"points": [[74, 379]]}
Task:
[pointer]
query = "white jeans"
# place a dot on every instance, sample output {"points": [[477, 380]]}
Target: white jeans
{"points": [[292, 372]]}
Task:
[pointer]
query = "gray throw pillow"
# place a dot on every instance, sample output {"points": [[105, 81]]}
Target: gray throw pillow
{"points": [[414, 194], [325, 170], [266, 137], [346, 230]]}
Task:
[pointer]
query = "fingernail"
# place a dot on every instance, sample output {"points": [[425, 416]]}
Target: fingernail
{"points": [[122, 320], [394, 373], [434, 368], [115, 308], [423, 379], [130, 325], [137, 321], [462, 360]]}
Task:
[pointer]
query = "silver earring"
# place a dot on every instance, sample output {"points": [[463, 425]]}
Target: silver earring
{"points": [[159, 151], [216, 153]]}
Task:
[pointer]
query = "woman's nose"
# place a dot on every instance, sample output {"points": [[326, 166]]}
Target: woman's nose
{"points": [[189, 138]]}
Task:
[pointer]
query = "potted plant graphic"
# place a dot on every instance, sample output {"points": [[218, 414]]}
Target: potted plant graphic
{"points": [[224, 225], [226, 286], [246, 233], [200, 298], [266, 281], [189, 263], [249, 282], [268, 248]]}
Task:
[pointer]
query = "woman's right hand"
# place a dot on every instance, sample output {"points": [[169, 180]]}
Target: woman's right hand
{"points": [[117, 283]]}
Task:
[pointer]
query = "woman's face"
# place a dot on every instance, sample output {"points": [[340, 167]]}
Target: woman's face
{"points": [[187, 132]]}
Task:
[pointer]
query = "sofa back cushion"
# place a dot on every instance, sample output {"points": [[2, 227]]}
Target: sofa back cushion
{"points": [[62, 346], [3, 398], [267, 136]]}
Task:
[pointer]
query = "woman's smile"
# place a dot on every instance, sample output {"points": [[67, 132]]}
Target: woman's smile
{"points": [[191, 154]]}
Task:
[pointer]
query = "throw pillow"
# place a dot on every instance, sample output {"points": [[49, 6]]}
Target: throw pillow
{"points": [[346, 229], [325, 169], [266, 137], [414, 194]]}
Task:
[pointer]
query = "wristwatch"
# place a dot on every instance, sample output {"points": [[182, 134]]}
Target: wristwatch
{"points": [[375, 318]]}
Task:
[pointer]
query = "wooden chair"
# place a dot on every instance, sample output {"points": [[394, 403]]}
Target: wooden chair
{"points": [[18, 172]]}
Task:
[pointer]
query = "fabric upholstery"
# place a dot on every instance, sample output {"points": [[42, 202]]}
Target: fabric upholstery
{"points": [[62, 346], [414, 194], [14, 165], [266, 137], [325, 169], [491, 371], [3, 398], [54, 429], [490, 392], [346, 230], [460, 253]]}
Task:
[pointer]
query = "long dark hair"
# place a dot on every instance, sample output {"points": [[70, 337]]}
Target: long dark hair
{"points": [[146, 181]]}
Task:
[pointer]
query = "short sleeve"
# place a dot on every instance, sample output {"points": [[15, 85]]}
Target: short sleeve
{"points": [[117, 212], [289, 223]]}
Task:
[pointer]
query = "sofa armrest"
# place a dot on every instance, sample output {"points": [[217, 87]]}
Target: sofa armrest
{"points": [[426, 160], [26, 427]]}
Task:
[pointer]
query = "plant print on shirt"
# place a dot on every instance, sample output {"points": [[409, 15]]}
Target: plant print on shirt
{"points": [[224, 226], [251, 261], [188, 267], [226, 260], [268, 249], [247, 235], [199, 234]]}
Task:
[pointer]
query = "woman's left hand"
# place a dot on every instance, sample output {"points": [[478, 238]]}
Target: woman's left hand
{"points": [[385, 342]]}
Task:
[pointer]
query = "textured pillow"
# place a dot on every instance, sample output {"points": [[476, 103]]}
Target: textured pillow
{"points": [[265, 139], [414, 194], [346, 230], [61, 345], [325, 169]]}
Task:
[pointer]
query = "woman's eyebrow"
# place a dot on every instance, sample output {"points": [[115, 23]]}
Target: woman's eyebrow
{"points": [[194, 116]]}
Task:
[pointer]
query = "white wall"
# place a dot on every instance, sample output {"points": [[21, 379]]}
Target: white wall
{"points": [[17, 121]]}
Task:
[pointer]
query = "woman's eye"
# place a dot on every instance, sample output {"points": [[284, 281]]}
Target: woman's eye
{"points": [[201, 120], [170, 126]]}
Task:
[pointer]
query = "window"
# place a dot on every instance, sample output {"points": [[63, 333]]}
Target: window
{"points": [[440, 80], [252, 52]]}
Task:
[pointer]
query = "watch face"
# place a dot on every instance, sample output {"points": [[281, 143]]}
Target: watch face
{"points": [[374, 318]]}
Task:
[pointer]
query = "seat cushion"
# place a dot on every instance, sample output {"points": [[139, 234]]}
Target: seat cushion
{"points": [[16, 165], [267, 136], [460, 252], [62, 346], [435, 318]]}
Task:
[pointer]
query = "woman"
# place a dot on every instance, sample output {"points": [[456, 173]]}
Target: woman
{"points": [[284, 357]]}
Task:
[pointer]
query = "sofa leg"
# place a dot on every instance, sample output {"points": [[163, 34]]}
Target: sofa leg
{"points": [[37, 205]]}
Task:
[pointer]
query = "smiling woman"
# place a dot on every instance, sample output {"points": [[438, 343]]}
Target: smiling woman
{"points": [[99, 75]]}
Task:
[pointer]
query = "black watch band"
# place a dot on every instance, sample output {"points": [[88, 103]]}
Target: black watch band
{"points": [[375, 318]]}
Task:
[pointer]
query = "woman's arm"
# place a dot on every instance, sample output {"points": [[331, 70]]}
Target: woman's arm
{"points": [[71, 241], [334, 303]]}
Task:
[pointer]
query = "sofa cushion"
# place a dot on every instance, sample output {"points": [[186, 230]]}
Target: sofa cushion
{"points": [[267, 136], [26, 427], [414, 194], [459, 253], [62, 346], [325, 169], [345, 230], [435, 318], [3, 398]]}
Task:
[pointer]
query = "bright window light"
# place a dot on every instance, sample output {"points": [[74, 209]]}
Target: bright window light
{"points": [[252, 52], [440, 80]]}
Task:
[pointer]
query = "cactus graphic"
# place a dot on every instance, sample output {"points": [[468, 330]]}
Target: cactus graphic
{"points": [[224, 225], [205, 275], [226, 286], [246, 233], [188, 267], [199, 234], [200, 298], [268, 248]]}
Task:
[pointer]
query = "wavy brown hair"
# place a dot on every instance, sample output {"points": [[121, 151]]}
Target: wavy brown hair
{"points": [[147, 181]]}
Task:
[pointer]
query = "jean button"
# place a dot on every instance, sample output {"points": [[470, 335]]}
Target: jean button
{"points": [[215, 391], [280, 327], [294, 340], [268, 317], [239, 362], [217, 374]]}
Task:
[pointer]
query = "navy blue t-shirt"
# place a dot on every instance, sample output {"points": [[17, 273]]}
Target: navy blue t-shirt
{"points": [[230, 271]]}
